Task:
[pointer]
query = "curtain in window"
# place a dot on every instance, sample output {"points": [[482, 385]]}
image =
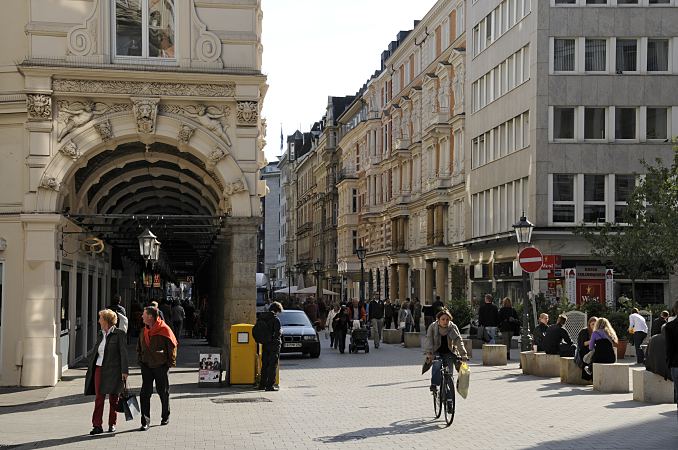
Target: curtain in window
{"points": [[595, 55], [657, 55], [626, 55], [563, 53]]}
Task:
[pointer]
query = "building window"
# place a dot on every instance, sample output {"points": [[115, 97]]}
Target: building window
{"points": [[596, 2], [563, 123], [627, 55], [566, 2], [657, 55], [595, 55], [657, 123], [563, 198], [623, 188], [144, 28], [594, 198], [594, 123], [625, 123], [563, 55]]}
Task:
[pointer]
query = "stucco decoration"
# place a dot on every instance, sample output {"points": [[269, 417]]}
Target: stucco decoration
{"points": [[104, 129], [71, 150], [213, 118], [214, 157], [50, 183], [143, 88], [185, 133], [247, 113], [72, 115], [39, 106], [208, 45], [145, 112], [458, 87], [82, 39], [234, 188]]}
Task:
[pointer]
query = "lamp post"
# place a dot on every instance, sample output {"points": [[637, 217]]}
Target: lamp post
{"points": [[318, 266], [289, 272], [523, 229], [361, 252], [149, 248]]}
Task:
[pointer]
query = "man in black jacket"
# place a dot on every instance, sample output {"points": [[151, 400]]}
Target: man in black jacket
{"points": [[270, 352], [488, 317], [658, 323], [556, 339], [376, 317], [671, 332], [540, 331]]}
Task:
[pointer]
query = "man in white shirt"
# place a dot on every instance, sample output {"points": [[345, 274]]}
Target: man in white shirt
{"points": [[637, 322]]}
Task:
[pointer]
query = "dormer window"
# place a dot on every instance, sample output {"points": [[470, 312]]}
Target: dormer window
{"points": [[144, 29]]}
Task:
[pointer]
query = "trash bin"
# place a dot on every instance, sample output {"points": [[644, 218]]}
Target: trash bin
{"points": [[243, 354]]}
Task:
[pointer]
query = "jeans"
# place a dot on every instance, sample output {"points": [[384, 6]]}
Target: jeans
{"points": [[436, 371], [492, 333], [270, 354], [340, 339], [638, 338], [377, 331], [100, 400], [148, 376]]}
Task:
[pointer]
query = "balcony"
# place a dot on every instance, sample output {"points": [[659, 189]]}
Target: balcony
{"points": [[347, 173], [402, 145], [439, 117]]}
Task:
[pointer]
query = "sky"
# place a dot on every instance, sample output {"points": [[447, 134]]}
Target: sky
{"points": [[319, 48]]}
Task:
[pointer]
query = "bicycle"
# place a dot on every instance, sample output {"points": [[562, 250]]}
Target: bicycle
{"points": [[440, 402]]}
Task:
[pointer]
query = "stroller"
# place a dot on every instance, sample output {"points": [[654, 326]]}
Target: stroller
{"points": [[358, 338]]}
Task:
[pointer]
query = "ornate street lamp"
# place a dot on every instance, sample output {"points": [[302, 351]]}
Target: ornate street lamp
{"points": [[362, 252], [523, 229], [149, 247]]}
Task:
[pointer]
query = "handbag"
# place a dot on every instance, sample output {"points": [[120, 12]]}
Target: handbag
{"points": [[128, 404], [463, 379], [588, 358], [402, 325], [632, 330]]}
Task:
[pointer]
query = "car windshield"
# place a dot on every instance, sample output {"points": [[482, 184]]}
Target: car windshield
{"points": [[294, 319]]}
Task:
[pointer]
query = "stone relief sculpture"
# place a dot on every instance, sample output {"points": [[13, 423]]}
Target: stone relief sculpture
{"points": [[234, 188], [185, 133], [104, 129], [145, 112], [247, 113], [214, 157], [71, 150], [459, 87], [144, 88], [75, 114], [208, 45], [82, 39], [50, 183], [39, 106], [213, 118]]}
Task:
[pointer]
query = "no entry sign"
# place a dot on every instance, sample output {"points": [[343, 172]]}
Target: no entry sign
{"points": [[530, 259]]}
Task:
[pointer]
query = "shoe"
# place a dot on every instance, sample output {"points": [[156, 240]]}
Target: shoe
{"points": [[164, 422], [96, 430], [433, 388], [588, 370], [144, 427], [111, 428], [272, 389]]}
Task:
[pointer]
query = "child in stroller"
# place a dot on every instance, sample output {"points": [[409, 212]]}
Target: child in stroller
{"points": [[359, 339]]}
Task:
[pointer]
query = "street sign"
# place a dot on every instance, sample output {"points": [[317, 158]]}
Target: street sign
{"points": [[530, 259]]}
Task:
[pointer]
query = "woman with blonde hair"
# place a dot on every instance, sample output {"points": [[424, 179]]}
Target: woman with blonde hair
{"points": [[602, 342]]}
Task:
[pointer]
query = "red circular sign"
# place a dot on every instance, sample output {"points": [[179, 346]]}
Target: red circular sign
{"points": [[530, 259]]}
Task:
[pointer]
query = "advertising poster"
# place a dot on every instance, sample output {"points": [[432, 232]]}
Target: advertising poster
{"points": [[571, 284], [609, 288], [209, 368]]}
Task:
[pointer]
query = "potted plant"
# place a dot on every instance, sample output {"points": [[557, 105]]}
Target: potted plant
{"points": [[620, 323]]}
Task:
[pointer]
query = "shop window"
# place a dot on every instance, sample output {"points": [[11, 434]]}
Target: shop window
{"points": [[563, 198]]}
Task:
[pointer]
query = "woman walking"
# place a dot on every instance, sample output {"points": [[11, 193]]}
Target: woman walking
{"points": [[340, 327], [405, 320], [508, 324], [107, 370], [583, 341], [330, 326]]}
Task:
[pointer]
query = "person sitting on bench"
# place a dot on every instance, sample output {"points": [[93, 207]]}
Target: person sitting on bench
{"points": [[556, 339]]}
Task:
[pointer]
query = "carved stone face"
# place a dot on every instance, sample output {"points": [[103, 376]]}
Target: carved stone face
{"points": [[41, 105]]}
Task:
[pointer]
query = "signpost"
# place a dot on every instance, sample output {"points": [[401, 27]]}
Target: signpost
{"points": [[530, 259]]}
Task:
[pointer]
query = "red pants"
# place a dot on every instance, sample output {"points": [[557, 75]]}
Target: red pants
{"points": [[97, 415]]}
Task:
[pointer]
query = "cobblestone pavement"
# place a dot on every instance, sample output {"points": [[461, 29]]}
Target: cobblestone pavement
{"points": [[375, 400]]}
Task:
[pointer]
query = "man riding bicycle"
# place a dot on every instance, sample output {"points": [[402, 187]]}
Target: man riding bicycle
{"points": [[442, 337]]}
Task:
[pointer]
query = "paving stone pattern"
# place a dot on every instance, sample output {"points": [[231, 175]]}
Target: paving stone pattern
{"points": [[378, 400]]}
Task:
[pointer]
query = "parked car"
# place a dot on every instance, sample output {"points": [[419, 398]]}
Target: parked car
{"points": [[298, 334]]}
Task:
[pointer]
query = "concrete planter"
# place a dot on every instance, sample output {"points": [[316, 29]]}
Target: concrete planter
{"points": [[494, 355], [649, 387], [547, 365], [392, 336], [412, 340], [570, 372], [611, 378]]}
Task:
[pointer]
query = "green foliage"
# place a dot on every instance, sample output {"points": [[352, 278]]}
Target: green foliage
{"points": [[461, 311], [656, 309], [594, 308], [620, 323]]}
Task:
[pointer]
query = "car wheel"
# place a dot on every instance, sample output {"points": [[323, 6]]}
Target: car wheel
{"points": [[315, 354]]}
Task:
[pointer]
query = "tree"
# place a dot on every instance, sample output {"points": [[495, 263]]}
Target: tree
{"points": [[647, 243]]}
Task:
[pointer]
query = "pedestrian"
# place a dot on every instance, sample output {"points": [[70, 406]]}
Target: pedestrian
{"points": [[671, 332], [557, 340], [396, 313], [603, 340], [328, 324], [157, 352], [107, 370], [356, 311], [166, 309], [116, 306], [658, 323], [189, 322], [388, 313], [438, 306], [340, 326], [583, 341], [508, 324], [638, 328], [540, 331], [178, 317], [488, 317], [270, 349], [655, 356], [404, 320], [416, 315], [376, 318]]}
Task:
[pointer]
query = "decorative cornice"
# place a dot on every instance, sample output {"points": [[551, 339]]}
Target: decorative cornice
{"points": [[143, 88]]}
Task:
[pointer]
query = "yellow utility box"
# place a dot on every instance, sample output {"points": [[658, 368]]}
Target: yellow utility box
{"points": [[243, 354]]}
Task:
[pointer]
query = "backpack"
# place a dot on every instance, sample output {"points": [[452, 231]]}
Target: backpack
{"points": [[261, 333]]}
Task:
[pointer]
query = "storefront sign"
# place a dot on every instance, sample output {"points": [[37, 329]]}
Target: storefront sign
{"points": [[609, 288], [571, 284], [551, 262], [591, 272]]}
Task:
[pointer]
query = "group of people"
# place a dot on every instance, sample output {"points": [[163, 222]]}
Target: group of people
{"points": [[492, 319], [108, 365]]}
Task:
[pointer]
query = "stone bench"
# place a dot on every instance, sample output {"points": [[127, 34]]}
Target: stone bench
{"points": [[468, 345], [649, 387], [392, 336], [570, 372], [412, 340], [494, 355], [546, 365], [611, 378], [527, 361]]}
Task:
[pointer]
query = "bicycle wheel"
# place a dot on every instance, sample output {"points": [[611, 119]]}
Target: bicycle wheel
{"points": [[437, 403], [451, 404]]}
